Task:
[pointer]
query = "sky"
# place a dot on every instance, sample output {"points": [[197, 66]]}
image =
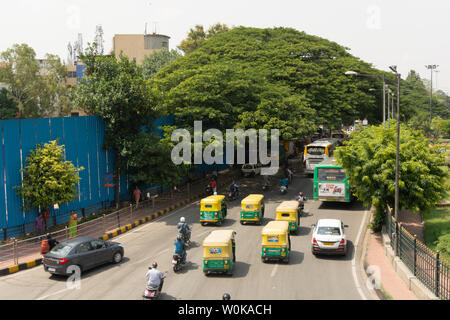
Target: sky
{"points": [[408, 33]]}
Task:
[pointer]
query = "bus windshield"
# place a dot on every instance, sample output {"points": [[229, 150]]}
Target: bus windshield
{"points": [[315, 151], [330, 174]]}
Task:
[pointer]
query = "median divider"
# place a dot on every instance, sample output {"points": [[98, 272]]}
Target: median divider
{"points": [[114, 233]]}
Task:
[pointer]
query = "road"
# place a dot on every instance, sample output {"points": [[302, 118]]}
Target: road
{"points": [[305, 277]]}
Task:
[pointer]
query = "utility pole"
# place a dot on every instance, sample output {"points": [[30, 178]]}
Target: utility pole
{"points": [[431, 67], [394, 69]]}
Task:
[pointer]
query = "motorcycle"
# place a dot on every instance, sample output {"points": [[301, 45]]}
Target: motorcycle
{"points": [[209, 190], [152, 293], [185, 239], [283, 189], [233, 195], [176, 262]]}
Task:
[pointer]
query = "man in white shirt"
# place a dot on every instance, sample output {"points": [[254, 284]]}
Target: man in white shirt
{"points": [[155, 277]]}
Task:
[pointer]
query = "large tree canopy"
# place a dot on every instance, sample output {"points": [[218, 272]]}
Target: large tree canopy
{"points": [[248, 76]]}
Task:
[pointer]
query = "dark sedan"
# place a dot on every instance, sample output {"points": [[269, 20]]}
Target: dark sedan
{"points": [[84, 252]]}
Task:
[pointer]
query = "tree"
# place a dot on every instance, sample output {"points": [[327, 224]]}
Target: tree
{"points": [[198, 35], [231, 75], [368, 159], [155, 61], [117, 91], [39, 90], [47, 178], [8, 106]]}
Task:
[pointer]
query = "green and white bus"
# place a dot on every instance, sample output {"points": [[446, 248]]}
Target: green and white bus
{"points": [[330, 182]]}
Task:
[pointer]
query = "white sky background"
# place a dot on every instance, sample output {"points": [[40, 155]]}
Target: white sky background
{"points": [[409, 34]]}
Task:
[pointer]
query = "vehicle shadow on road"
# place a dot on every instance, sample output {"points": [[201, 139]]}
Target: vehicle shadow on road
{"points": [[347, 257], [91, 272], [303, 231], [165, 296], [189, 266], [296, 257], [352, 206], [240, 270]]}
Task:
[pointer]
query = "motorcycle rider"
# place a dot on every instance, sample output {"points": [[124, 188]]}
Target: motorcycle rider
{"points": [[284, 182], [234, 188], [301, 200], [180, 248], [183, 228], [155, 277]]}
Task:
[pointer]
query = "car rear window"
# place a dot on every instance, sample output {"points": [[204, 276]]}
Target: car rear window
{"points": [[61, 249], [334, 231]]}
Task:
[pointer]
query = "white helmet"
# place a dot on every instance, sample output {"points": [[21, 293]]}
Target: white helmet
{"points": [[182, 219], [215, 193]]}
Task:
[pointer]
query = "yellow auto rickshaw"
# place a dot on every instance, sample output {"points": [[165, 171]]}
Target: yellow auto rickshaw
{"points": [[219, 252], [289, 211], [276, 242], [213, 209], [252, 209]]}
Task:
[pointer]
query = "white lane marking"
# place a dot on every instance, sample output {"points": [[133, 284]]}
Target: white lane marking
{"points": [[152, 257], [52, 294], [355, 277], [274, 270]]}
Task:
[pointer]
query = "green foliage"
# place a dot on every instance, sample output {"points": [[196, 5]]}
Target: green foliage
{"points": [[47, 178], [267, 73], [443, 244], [39, 91], [8, 106], [369, 161], [119, 94], [157, 60], [197, 36]]}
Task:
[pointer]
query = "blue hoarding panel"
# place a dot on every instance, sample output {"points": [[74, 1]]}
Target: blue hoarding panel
{"points": [[2, 189]]}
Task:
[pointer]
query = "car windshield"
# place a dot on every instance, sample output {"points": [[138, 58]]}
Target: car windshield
{"points": [[330, 174], [61, 249], [316, 151], [329, 231]]}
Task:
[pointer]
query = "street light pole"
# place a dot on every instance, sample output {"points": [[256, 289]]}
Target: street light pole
{"points": [[394, 69], [354, 73], [431, 67], [388, 105]]}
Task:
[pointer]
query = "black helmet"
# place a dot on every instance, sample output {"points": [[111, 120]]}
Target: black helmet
{"points": [[48, 236], [226, 296]]}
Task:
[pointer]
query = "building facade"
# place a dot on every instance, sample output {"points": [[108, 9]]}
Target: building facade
{"points": [[137, 46]]}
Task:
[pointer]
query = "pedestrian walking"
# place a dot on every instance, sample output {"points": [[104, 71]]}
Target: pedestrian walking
{"points": [[39, 224], [73, 224], [137, 195]]}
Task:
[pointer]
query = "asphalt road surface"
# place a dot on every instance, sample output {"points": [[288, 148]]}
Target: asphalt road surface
{"points": [[305, 277]]}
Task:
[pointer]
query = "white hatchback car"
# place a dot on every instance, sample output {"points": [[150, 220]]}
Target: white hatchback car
{"points": [[250, 169], [329, 237]]}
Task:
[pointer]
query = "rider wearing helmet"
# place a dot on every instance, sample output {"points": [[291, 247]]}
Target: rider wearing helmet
{"points": [[180, 248], [155, 277], [183, 228], [226, 296], [300, 200], [233, 187]]}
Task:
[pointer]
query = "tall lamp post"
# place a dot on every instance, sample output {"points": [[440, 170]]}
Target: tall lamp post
{"points": [[394, 69], [431, 67], [354, 73]]}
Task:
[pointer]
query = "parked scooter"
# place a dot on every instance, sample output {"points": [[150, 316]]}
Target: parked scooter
{"points": [[152, 293]]}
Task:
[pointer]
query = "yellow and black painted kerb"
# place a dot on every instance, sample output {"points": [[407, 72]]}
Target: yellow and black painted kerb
{"points": [[109, 235]]}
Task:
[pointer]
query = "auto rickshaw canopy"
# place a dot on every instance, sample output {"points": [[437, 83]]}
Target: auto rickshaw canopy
{"points": [[212, 203], [252, 202], [219, 243]]}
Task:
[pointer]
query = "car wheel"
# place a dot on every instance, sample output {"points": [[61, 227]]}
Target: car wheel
{"points": [[117, 257]]}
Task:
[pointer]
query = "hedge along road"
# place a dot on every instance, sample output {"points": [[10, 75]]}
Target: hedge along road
{"points": [[305, 277]]}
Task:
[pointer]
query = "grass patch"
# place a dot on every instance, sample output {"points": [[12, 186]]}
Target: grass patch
{"points": [[386, 294], [437, 230]]}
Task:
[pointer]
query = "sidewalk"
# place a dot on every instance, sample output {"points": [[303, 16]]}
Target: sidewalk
{"points": [[391, 283], [30, 251]]}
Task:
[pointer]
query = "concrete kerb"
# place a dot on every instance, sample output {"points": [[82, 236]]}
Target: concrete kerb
{"points": [[112, 234], [377, 294]]}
